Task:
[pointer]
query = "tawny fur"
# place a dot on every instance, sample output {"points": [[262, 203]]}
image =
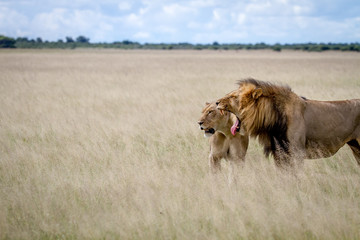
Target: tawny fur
{"points": [[223, 145], [293, 128]]}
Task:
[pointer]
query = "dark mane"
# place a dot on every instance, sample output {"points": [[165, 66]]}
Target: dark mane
{"points": [[272, 134]]}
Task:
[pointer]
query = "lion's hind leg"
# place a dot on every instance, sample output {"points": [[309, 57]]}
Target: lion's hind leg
{"points": [[355, 147]]}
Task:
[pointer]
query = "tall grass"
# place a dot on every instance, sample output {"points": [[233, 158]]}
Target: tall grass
{"points": [[104, 144]]}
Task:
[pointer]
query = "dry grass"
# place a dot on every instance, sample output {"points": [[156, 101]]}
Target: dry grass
{"points": [[104, 144]]}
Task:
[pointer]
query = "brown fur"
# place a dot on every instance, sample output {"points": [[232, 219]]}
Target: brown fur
{"points": [[223, 145], [291, 127]]}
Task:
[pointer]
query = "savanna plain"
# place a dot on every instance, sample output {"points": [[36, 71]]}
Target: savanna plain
{"points": [[104, 144]]}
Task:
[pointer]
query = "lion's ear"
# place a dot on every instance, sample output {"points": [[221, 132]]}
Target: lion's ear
{"points": [[257, 93], [207, 103]]}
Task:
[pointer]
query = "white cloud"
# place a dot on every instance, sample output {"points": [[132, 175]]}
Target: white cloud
{"points": [[216, 15], [13, 23], [220, 18], [325, 30], [143, 11], [258, 8], [176, 9], [202, 3], [167, 29], [171, 20], [278, 8], [141, 35], [241, 18], [53, 20], [170, 9], [194, 25], [124, 6], [301, 22], [62, 22], [134, 20], [301, 10]]}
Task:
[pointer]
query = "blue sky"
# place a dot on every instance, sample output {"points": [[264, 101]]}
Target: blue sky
{"points": [[193, 21]]}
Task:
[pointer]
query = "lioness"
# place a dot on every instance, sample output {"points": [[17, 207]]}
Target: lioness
{"points": [[225, 138], [293, 128]]}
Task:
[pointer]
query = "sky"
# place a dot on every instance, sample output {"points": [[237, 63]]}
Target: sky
{"points": [[192, 21]]}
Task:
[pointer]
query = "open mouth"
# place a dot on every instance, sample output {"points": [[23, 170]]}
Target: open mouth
{"points": [[222, 110], [209, 131], [235, 127]]}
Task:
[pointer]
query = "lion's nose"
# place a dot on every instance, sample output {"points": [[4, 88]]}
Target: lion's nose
{"points": [[200, 122], [217, 103]]}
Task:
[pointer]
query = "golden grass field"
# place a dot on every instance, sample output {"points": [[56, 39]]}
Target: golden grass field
{"points": [[104, 144]]}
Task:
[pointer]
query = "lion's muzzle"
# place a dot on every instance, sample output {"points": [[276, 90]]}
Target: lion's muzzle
{"points": [[207, 131]]}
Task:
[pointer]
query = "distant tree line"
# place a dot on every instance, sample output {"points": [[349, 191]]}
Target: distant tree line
{"points": [[84, 42]]}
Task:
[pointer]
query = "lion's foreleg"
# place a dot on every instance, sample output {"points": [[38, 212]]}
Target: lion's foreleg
{"points": [[236, 157], [280, 161], [296, 147], [283, 160], [298, 154], [214, 164], [236, 164]]}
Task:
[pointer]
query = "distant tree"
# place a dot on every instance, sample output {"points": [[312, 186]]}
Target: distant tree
{"points": [[276, 48], [215, 44], [127, 42], [7, 42], [82, 39], [305, 48], [260, 46], [22, 39], [69, 39], [324, 47], [39, 40]]}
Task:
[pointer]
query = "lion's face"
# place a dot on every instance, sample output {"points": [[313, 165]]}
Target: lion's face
{"points": [[229, 103], [211, 119], [238, 99]]}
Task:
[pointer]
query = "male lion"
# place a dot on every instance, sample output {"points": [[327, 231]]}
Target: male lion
{"points": [[293, 128], [225, 141]]}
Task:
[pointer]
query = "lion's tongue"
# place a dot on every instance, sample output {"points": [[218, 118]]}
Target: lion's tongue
{"points": [[233, 128]]}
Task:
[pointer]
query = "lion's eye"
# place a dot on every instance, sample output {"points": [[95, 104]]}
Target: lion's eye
{"points": [[210, 111]]}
